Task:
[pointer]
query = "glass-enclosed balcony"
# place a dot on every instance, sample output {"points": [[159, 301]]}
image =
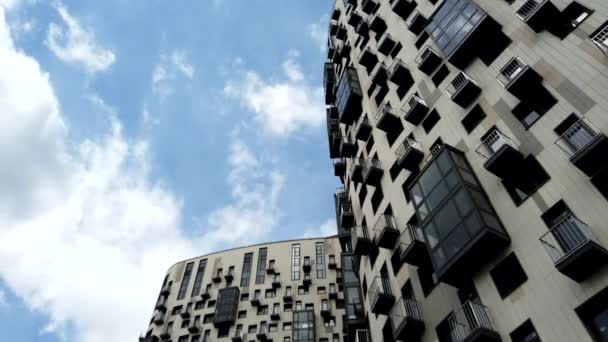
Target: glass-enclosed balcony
{"points": [[356, 170], [519, 79], [574, 249], [416, 23], [409, 154], [415, 109], [403, 8], [349, 96], [361, 240], [226, 307], [363, 129], [373, 172], [345, 210], [380, 295], [386, 232], [387, 120], [463, 90], [329, 82], [502, 158], [428, 60], [585, 145], [412, 246], [406, 320], [472, 323]]}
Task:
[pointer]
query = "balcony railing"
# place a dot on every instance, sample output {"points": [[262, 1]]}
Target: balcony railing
{"points": [[406, 319], [565, 237], [362, 335], [527, 9], [386, 233], [360, 240], [493, 143], [463, 90], [409, 154], [511, 71], [381, 296], [363, 129], [469, 319], [415, 109], [412, 245], [600, 39], [577, 137], [239, 336]]}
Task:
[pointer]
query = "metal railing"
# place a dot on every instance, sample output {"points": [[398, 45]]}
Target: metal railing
{"points": [[379, 286], [405, 309], [566, 236], [412, 102], [466, 320], [373, 163], [384, 109], [601, 39], [459, 82], [424, 54], [577, 137], [406, 146], [527, 9], [362, 335], [413, 17], [385, 221], [492, 143], [359, 232], [511, 71], [435, 149], [409, 235]]}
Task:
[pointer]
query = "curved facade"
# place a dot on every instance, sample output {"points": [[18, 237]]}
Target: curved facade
{"points": [[282, 291]]}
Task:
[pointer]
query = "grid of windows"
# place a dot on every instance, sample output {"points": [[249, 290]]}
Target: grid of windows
{"points": [[295, 261], [304, 326], [198, 279], [246, 274], [185, 280], [320, 258], [261, 273]]}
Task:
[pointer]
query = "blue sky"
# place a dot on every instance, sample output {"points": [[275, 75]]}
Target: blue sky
{"points": [[139, 133]]}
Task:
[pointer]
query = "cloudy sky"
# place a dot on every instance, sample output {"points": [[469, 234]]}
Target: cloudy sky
{"points": [[135, 133]]}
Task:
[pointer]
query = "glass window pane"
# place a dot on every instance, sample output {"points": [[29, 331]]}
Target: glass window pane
{"points": [[446, 218], [463, 201], [438, 194], [430, 177]]}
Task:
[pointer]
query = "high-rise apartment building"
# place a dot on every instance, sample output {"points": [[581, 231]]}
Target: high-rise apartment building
{"points": [[470, 139]]}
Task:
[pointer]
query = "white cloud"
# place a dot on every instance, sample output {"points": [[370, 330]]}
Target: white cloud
{"points": [[168, 69], [318, 33], [73, 43], [8, 3], [281, 107], [2, 298], [328, 228]]}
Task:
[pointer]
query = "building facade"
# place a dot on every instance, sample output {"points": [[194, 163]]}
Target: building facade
{"points": [[470, 139], [283, 291]]}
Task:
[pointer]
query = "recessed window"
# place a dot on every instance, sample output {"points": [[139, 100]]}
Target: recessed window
{"points": [[377, 198], [533, 177], [424, 36], [252, 329], [321, 290], [575, 13], [473, 118], [508, 275], [244, 297], [286, 326], [242, 314], [430, 121], [525, 333], [440, 75], [594, 315], [211, 304]]}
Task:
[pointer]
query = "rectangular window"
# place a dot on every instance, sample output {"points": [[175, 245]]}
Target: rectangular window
{"points": [[320, 258], [508, 275], [261, 273], [185, 280], [198, 279], [246, 274], [295, 261], [525, 333]]}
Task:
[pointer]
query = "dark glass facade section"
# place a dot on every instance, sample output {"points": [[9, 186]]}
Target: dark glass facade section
{"points": [[246, 274], [226, 306], [261, 272], [198, 279], [348, 96], [320, 259], [295, 261], [303, 326], [185, 281]]}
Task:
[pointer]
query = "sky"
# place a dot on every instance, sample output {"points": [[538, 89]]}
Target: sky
{"points": [[138, 133]]}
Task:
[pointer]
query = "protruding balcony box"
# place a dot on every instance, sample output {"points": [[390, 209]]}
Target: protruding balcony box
{"points": [[229, 276], [345, 210], [574, 250], [386, 44], [373, 171], [347, 147], [339, 166], [331, 263], [520, 79], [380, 295], [501, 155], [217, 278], [378, 25], [166, 289], [428, 60], [262, 334], [276, 281], [165, 334], [368, 59], [414, 110], [356, 170], [380, 75], [325, 310], [362, 28], [361, 240], [585, 145], [341, 33], [345, 52], [539, 15], [275, 315], [335, 15], [333, 29], [206, 294], [386, 232], [306, 265], [349, 96], [329, 81], [185, 314], [463, 90], [354, 19], [287, 297], [412, 246], [239, 336], [472, 323], [362, 335], [600, 39], [159, 318], [256, 299], [406, 320], [307, 279], [226, 307], [161, 304], [368, 6], [194, 327], [409, 154], [271, 268], [400, 74], [333, 294], [416, 23], [363, 129], [387, 120], [404, 8]]}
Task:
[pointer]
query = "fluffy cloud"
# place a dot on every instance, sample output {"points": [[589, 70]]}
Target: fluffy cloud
{"points": [[328, 228], [169, 68], [318, 33], [281, 107], [73, 43]]}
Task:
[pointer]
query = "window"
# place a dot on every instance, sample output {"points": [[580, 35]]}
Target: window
{"points": [[594, 315], [176, 310], [600, 37], [533, 177], [185, 323], [244, 297], [298, 305], [252, 329], [196, 338], [272, 327], [287, 307], [525, 333], [242, 314], [286, 339], [262, 310], [430, 121], [199, 305], [473, 118], [269, 293], [321, 290], [183, 338], [530, 112], [440, 75], [198, 279], [309, 306], [574, 133], [211, 304], [261, 272], [302, 290], [576, 14], [208, 318], [508, 275], [288, 291], [304, 326], [246, 274], [295, 261], [320, 259], [286, 326], [185, 280]]}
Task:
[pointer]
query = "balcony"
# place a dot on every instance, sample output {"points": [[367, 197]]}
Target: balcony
{"points": [[463, 90], [409, 154], [161, 304], [165, 334], [239, 336], [380, 75], [345, 210], [368, 59], [416, 23], [428, 60], [400, 75], [347, 147], [307, 265], [386, 44], [329, 82], [415, 109], [186, 313], [378, 25], [362, 335], [373, 172], [387, 120], [275, 315], [472, 323], [500, 153], [333, 29], [573, 248], [585, 145], [354, 19], [306, 280], [520, 79], [276, 282], [229, 276], [380, 295], [356, 170], [363, 129], [159, 318], [539, 15], [406, 320], [333, 294], [217, 278], [262, 333], [369, 6], [166, 289], [600, 39], [386, 232], [206, 294], [194, 327], [331, 263], [362, 28], [412, 246], [341, 33], [339, 166], [360, 240], [256, 300], [270, 269], [335, 15], [403, 8], [287, 297], [349, 96]]}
